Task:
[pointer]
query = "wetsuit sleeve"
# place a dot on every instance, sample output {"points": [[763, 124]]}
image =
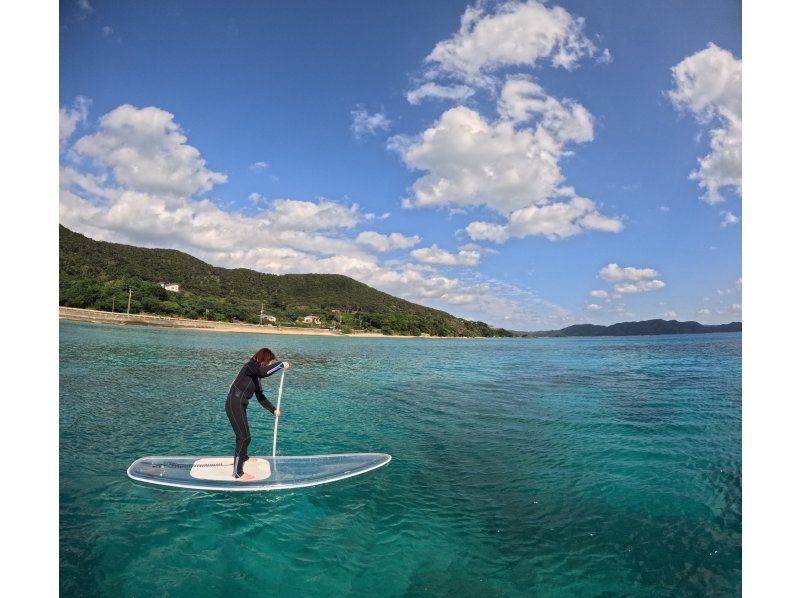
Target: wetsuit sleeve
{"points": [[268, 370], [265, 403], [260, 391]]}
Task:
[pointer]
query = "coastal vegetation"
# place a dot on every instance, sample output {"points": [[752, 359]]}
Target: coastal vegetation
{"points": [[644, 327], [103, 276]]}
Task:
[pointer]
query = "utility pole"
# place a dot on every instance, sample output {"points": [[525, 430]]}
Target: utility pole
{"points": [[130, 292], [261, 315], [112, 304]]}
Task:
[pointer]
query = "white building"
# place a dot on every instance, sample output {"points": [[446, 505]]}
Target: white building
{"points": [[171, 286], [311, 320], [270, 318]]}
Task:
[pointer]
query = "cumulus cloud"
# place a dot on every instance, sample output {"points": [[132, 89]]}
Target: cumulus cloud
{"points": [[709, 85], [84, 8], [70, 118], [260, 165], [296, 214], [286, 236], [470, 161], [593, 307], [466, 256], [728, 218], [363, 123], [510, 166], [599, 293], [556, 220], [147, 151], [513, 34], [631, 280], [234, 240], [435, 91], [521, 99], [383, 243]]}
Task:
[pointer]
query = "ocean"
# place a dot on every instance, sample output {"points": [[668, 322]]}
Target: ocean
{"points": [[521, 467]]}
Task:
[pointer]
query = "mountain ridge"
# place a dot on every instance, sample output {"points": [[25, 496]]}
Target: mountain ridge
{"points": [[640, 328]]}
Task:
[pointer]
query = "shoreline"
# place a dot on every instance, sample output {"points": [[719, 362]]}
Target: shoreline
{"points": [[78, 314]]}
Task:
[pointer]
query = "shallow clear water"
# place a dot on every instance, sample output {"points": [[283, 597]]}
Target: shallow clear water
{"points": [[521, 467]]}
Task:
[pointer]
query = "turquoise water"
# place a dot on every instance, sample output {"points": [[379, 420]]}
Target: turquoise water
{"points": [[522, 467]]}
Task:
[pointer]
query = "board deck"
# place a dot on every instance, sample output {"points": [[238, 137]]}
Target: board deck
{"points": [[221, 469], [270, 473]]}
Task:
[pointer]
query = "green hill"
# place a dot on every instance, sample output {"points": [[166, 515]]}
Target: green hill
{"points": [[97, 275], [639, 328]]}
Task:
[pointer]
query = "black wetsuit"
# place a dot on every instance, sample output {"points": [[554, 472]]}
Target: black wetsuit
{"points": [[247, 383]]}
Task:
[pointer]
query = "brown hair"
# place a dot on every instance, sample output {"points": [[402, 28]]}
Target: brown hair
{"points": [[264, 356]]}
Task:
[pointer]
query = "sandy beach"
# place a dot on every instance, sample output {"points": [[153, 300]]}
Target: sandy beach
{"points": [[104, 317]]}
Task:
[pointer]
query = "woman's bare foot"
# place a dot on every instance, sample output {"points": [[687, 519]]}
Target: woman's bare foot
{"points": [[252, 459], [245, 477]]}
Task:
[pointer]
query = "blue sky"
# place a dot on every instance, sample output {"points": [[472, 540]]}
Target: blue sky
{"points": [[553, 186]]}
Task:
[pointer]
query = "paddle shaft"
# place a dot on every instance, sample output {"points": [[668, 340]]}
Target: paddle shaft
{"points": [[277, 408]]}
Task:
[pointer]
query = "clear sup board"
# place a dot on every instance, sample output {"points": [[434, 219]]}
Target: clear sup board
{"points": [[269, 473]]}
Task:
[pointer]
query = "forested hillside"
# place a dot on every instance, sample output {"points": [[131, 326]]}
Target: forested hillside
{"points": [[97, 275]]}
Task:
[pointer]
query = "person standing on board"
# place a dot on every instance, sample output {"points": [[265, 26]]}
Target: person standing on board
{"points": [[247, 383]]}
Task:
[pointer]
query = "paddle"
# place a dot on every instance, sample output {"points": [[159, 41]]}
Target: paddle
{"points": [[277, 408]]}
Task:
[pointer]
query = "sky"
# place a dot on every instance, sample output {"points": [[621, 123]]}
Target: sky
{"points": [[531, 165]]}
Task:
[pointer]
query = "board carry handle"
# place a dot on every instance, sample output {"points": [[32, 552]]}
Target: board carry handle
{"points": [[277, 408]]}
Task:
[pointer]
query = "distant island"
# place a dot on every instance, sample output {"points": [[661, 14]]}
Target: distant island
{"points": [[645, 327], [165, 282]]}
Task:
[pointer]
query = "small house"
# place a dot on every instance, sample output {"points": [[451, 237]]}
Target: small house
{"points": [[171, 286], [312, 320]]}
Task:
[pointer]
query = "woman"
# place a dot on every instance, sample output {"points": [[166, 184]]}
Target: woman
{"points": [[248, 382]]}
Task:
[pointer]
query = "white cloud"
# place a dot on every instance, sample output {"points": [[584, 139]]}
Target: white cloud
{"points": [[631, 280], [593, 306], [84, 8], [671, 314], [511, 165], [383, 243], [521, 99], [435, 255], [504, 166], [204, 230], [363, 123], [728, 218], [291, 235], [473, 162], [147, 151], [296, 214], [438, 92], [709, 84], [260, 165], [663, 208], [107, 31], [704, 312], [599, 293], [70, 118], [514, 34], [556, 220]]}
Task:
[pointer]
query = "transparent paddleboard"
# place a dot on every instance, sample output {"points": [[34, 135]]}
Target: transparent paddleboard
{"points": [[270, 473]]}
